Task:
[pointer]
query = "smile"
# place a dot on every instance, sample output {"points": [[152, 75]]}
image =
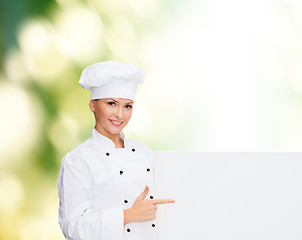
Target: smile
{"points": [[116, 123]]}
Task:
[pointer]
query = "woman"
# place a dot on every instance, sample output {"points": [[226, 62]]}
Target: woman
{"points": [[106, 184]]}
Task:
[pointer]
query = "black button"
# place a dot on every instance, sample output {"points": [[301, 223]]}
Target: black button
{"points": [[151, 197], [133, 150], [125, 200], [121, 172], [153, 225], [107, 154], [128, 230], [148, 169]]}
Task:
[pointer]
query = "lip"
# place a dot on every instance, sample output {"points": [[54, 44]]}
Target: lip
{"points": [[117, 125]]}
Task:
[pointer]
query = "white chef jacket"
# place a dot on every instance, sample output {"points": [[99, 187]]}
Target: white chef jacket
{"points": [[97, 181]]}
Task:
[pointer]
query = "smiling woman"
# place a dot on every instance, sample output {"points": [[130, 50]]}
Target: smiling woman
{"points": [[111, 116], [106, 184]]}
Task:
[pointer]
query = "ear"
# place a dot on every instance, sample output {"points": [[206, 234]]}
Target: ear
{"points": [[92, 105]]}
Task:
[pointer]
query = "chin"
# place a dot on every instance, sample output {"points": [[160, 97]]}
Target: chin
{"points": [[115, 130]]}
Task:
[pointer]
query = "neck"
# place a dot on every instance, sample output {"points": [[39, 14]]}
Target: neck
{"points": [[119, 143]]}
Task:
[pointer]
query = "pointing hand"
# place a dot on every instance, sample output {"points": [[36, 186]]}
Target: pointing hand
{"points": [[143, 209]]}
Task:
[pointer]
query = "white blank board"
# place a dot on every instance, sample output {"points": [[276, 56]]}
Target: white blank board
{"points": [[229, 196]]}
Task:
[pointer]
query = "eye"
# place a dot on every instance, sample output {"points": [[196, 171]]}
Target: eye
{"points": [[111, 103], [128, 106]]}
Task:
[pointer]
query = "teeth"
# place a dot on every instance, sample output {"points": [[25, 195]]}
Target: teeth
{"points": [[116, 122]]}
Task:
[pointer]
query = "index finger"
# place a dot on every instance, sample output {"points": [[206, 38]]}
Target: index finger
{"points": [[162, 201]]}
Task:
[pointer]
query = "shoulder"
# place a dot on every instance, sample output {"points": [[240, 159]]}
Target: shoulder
{"points": [[74, 165], [79, 153]]}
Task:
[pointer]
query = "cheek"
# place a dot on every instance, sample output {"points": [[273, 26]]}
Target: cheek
{"points": [[104, 112], [128, 114]]}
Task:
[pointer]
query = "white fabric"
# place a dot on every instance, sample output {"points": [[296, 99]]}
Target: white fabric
{"points": [[115, 89], [111, 79], [92, 190]]}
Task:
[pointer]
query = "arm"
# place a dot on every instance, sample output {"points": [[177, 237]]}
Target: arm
{"points": [[77, 219]]}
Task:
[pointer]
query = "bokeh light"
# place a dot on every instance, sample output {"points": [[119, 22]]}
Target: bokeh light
{"points": [[80, 33], [20, 123], [13, 198], [43, 59]]}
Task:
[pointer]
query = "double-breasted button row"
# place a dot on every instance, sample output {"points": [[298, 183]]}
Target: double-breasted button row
{"points": [[128, 229], [121, 171], [108, 154], [126, 201]]}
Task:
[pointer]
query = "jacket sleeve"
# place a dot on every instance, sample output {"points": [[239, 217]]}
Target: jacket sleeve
{"points": [[77, 219]]}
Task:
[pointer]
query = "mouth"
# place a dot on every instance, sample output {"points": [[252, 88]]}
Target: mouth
{"points": [[116, 123]]}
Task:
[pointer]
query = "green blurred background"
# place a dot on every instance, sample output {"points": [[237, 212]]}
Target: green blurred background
{"points": [[220, 76]]}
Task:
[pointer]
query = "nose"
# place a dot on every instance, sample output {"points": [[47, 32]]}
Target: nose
{"points": [[119, 112]]}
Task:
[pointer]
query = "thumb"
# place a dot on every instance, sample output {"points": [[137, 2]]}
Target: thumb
{"points": [[143, 194]]}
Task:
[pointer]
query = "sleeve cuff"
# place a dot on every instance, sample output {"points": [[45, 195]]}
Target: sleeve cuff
{"points": [[112, 224]]}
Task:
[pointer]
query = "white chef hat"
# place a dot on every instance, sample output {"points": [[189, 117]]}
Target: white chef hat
{"points": [[111, 79]]}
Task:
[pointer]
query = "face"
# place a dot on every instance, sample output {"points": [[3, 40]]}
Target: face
{"points": [[111, 114]]}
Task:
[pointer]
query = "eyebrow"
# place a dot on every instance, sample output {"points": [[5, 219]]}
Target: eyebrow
{"points": [[116, 101]]}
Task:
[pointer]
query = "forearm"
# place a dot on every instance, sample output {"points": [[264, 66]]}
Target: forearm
{"points": [[127, 216]]}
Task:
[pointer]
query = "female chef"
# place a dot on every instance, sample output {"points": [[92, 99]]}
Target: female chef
{"points": [[106, 184]]}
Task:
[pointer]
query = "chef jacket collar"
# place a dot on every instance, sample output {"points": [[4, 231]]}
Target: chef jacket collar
{"points": [[105, 140]]}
